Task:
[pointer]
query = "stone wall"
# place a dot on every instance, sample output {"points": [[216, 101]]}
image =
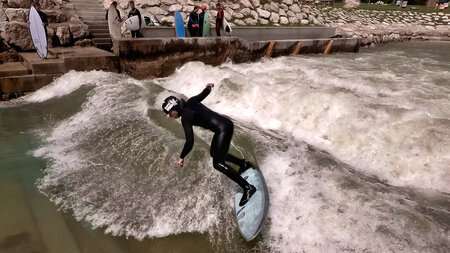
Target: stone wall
{"points": [[65, 27]]}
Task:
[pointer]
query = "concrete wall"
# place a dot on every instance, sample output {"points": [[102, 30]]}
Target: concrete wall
{"points": [[157, 57], [254, 33]]}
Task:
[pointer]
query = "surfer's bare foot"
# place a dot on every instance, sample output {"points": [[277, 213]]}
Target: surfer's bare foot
{"points": [[248, 193]]}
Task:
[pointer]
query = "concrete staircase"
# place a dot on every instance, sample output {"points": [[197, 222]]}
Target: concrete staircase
{"points": [[93, 14]]}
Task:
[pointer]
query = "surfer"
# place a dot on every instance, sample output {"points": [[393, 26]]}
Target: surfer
{"points": [[43, 17], [202, 19], [219, 19], [193, 25], [114, 5], [135, 12], [194, 113]]}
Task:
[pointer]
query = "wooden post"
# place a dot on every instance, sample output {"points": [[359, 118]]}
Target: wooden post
{"points": [[297, 48], [328, 48], [270, 49]]}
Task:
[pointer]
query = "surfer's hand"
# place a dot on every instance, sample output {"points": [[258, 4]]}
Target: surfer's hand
{"points": [[210, 85], [181, 162]]}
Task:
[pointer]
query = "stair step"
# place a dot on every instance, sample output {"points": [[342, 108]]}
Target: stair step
{"points": [[13, 69], [102, 30], [101, 35], [101, 40], [98, 27]]}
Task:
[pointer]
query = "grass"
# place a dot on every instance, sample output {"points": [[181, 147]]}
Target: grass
{"points": [[393, 7]]}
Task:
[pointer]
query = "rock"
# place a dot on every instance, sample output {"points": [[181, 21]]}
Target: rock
{"points": [[256, 3], [83, 43], [263, 21], [19, 3], [263, 13], [288, 2], [349, 4], [158, 11], [254, 14], [246, 11], [284, 7], [293, 20], [186, 9], [274, 17], [281, 12], [168, 19], [274, 7], [295, 8], [63, 34], [235, 7], [18, 15], [227, 16], [3, 16], [148, 3], [16, 34], [305, 10], [238, 15], [246, 3], [266, 7], [175, 7], [250, 21], [55, 16], [290, 14], [79, 30], [48, 4], [239, 22], [284, 21], [304, 22]]}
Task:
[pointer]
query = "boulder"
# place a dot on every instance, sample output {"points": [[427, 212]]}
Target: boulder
{"points": [[290, 14], [238, 15], [274, 17], [18, 3], [293, 20], [263, 21], [250, 21], [254, 14], [157, 11], [16, 34], [175, 7], [246, 3], [295, 8], [256, 3], [3, 16], [239, 22], [281, 12], [147, 3], [274, 7], [246, 11], [288, 2], [284, 21], [83, 43], [263, 13], [55, 16], [63, 34], [79, 30], [48, 4], [350, 4], [16, 14], [304, 22]]}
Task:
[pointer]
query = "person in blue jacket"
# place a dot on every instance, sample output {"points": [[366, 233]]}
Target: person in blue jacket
{"points": [[194, 113]]}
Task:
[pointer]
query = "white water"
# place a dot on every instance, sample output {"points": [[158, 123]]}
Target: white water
{"points": [[113, 162]]}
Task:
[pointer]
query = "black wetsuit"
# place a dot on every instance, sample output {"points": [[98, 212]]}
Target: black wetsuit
{"points": [[194, 113], [193, 20]]}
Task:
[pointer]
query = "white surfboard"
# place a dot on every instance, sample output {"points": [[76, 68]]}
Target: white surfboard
{"points": [[113, 23], [37, 32], [251, 216], [225, 25], [133, 23]]}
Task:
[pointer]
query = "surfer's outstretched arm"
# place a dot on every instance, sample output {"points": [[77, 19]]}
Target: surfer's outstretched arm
{"points": [[189, 133], [199, 98]]}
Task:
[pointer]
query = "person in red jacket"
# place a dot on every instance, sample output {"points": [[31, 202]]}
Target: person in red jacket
{"points": [[219, 19]]}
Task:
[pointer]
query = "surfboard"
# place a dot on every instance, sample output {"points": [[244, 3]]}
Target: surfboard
{"points": [[37, 32], [251, 216], [114, 23], [225, 25], [179, 25], [133, 23], [206, 23]]}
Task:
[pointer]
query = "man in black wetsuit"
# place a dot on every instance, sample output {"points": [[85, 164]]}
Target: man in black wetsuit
{"points": [[194, 113], [193, 25]]}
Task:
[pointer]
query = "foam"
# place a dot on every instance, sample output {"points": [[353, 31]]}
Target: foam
{"points": [[378, 122]]}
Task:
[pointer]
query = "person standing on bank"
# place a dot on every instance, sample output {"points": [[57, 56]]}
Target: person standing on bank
{"points": [[114, 5], [194, 113], [201, 19], [193, 25], [135, 12], [219, 18], [43, 17]]}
